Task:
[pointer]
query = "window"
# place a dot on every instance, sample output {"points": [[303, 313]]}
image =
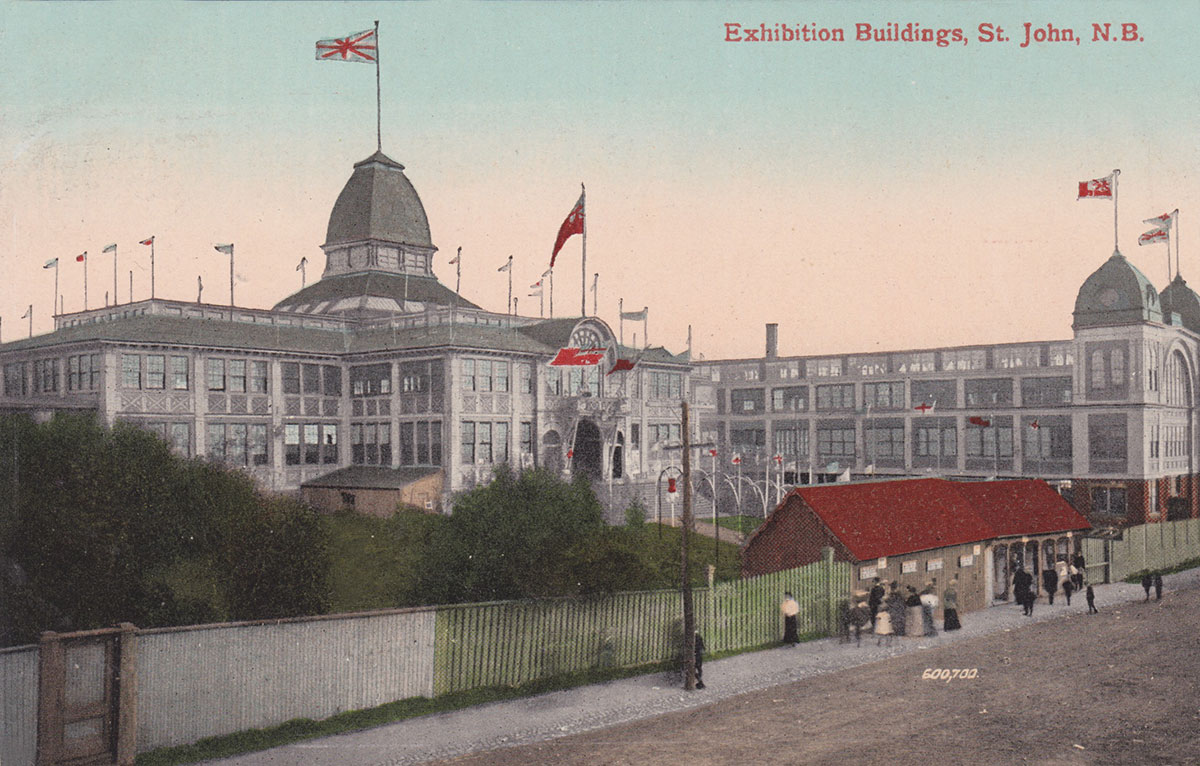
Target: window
{"points": [[526, 437], [468, 377], [290, 373], [1051, 440], [746, 400], [883, 396], [500, 371], [823, 368], [310, 443], [376, 379], [982, 441], [1107, 437], [216, 374], [839, 397], [743, 438], [1062, 355], [986, 391], [869, 365], [1011, 357], [467, 429], [966, 359], [291, 444], [1037, 392], [663, 432], [665, 385], [884, 442], [259, 381], [485, 375], [918, 362], [1109, 500], [179, 373], [131, 371], [236, 380], [941, 393], [14, 379], [45, 376], [936, 441], [332, 379], [483, 442], [371, 443], [790, 399], [791, 442], [525, 378], [310, 378], [835, 441]]}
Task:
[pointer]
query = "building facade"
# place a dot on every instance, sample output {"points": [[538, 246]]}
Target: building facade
{"points": [[1107, 416], [376, 364]]}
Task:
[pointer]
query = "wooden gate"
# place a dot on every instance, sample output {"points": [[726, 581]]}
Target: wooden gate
{"points": [[87, 697]]}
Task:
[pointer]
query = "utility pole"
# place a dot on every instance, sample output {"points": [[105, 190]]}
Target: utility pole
{"points": [[689, 617]]}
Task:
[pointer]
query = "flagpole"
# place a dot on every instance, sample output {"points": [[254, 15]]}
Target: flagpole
{"points": [[85, 303], [1176, 227], [1116, 176], [583, 274], [646, 326], [595, 293], [115, 301], [231, 278], [52, 305], [509, 307], [378, 96], [131, 285], [621, 314], [551, 292], [152, 267]]}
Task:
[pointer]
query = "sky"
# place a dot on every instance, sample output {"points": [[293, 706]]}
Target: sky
{"points": [[863, 195]]}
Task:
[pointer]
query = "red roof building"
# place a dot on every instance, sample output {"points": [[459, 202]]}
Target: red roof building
{"points": [[917, 531]]}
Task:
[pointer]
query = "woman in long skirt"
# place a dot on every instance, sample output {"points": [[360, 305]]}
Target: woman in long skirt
{"points": [[883, 627], [894, 604], [950, 606]]}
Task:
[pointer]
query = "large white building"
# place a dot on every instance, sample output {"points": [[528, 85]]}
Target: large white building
{"points": [[377, 368]]}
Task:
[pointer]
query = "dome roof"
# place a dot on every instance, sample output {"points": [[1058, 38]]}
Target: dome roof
{"points": [[1177, 297], [1116, 293], [380, 203]]}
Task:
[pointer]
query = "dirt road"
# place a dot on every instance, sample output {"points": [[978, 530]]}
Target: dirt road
{"points": [[1120, 687]]}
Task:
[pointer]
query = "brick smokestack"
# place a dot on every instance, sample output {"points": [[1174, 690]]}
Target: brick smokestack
{"points": [[772, 340]]}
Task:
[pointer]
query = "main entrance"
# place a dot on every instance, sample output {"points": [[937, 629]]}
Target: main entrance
{"points": [[587, 456]]}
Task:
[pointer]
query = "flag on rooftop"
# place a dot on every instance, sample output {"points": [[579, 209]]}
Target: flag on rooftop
{"points": [[572, 224], [507, 265], [147, 242], [111, 248], [638, 316], [1154, 236], [357, 47], [227, 249], [51, 263], [81, 257], [1097, 188]]}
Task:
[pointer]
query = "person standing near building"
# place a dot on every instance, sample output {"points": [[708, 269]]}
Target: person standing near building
{"points": [[1147, 581], [1068, 589], [875, 601], [1157, 587], [929, 602], [1023, 590], [950, 606], [1078, 569], [1050, 581], [789, 609], [860, 617], [894, 604], [1091, 599], [699, 661]]}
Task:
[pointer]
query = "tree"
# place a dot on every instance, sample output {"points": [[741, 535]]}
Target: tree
{"points": [[100, 522], [520, 536]]}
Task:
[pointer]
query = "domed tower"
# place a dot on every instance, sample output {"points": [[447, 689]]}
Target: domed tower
{"points": [[1115, 294], [378, 253], [1177, 298]]}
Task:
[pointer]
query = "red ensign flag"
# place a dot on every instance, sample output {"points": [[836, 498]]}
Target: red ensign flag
{"points": [[1097, 188], [573, 224]]}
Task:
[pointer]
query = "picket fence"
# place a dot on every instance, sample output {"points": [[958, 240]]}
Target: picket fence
{"points": [[208, 680], [1149, 546]]}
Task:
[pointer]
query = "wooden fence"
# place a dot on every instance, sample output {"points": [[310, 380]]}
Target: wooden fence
{"points": [[511, 643], [1149, 546]]}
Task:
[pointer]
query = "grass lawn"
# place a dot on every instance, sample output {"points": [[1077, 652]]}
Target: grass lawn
{"points": [[375, 561], [743, 524]]}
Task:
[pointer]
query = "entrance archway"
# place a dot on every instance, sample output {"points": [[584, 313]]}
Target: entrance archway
{"points": [[588, 451], [552, 459], [618, 458]]}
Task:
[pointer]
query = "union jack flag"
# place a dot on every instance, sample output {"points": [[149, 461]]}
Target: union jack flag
{"points": [[359, 47], [1097, 188]]}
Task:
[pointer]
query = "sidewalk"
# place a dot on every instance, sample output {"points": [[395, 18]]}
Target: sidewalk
{"points": [[534, 719]]}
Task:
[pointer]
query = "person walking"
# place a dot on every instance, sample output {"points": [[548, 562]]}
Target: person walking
{"points": [[789, 609], [950, 606], [1077, 571], [1091, 599], [895, 607], [860, 617], [1068, 589], [699, 661], [1023, 590], [1147, 581], [883, 625], [912, 618], [875, 600], [1050, 581], [929, 602], [1157, 586]]}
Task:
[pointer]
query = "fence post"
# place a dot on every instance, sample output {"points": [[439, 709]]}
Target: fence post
{"points": [[51, 679], [827, 559], [127, 699]]}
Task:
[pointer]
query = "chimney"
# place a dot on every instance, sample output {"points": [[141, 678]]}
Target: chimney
{"points": [[772, 340]]}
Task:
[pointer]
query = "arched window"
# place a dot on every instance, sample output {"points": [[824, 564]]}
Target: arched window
{"points": [[1178, 385]]}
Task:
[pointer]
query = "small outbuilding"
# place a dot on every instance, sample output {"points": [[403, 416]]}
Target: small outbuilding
{"points": [[918, 531], [375, 490]]}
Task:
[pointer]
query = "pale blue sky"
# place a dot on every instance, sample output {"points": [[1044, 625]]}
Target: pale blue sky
{"points": [[731, 177]]}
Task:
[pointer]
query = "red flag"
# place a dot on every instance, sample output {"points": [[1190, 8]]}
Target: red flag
{"points": [[621, 365], [147, 241], [577, 357], [925, 407], [81, 257], [736, 459], [1097, 188], [975, 420], [712, 453], [1035, 425], [573, 224]]}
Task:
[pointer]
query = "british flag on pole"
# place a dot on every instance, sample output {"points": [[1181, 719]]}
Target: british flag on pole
{"points": [[1097, 188], [359, 47]]}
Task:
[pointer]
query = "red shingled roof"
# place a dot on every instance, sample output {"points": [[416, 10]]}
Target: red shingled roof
{"points": [[891, 518], [1021, 507]]}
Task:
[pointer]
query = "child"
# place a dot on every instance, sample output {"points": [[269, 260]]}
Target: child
{"points": [[1091, 598]]}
